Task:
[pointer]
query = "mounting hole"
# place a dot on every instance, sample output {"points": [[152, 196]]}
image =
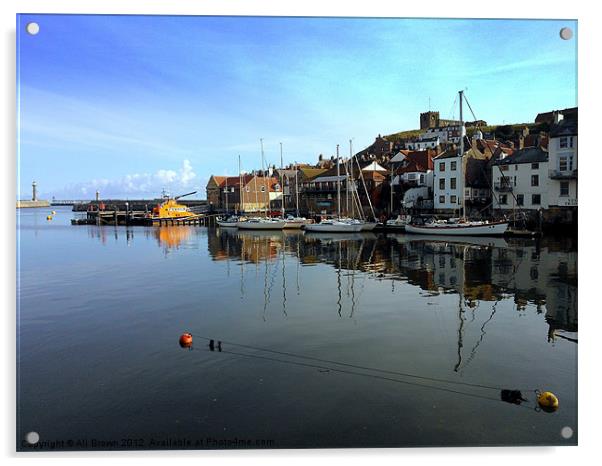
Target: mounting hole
{"points": [[32, 28], [566, 432], [566, 33], [32, 438]]}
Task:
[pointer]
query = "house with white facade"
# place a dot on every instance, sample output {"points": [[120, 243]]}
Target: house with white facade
{"points": [[562, 149], [423, 143], [520, 182], [448, 182], [446, 134], [413, 179]]}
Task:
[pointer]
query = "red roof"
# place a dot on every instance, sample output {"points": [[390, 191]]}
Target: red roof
{"points": [[417, 161]]}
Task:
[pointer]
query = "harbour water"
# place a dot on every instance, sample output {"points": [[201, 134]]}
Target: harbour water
{"points": [[429, 330]]}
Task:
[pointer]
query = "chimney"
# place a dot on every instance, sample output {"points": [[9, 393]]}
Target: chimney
{"points": [[34, 193], [558, 117]]}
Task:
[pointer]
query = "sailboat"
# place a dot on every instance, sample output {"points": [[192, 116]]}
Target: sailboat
{"points": [[232, 220], [338, 224], [462, 226], [291, 222], [366, 226], [263, 223]]}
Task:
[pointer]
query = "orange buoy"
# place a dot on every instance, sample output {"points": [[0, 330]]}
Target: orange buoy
{"points": [[186, 340]]}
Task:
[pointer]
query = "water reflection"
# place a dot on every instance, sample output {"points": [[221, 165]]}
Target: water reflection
{"points": [[542, 273], [479, 270]]}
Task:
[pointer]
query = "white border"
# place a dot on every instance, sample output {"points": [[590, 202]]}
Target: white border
{"points": [[590, 120]]}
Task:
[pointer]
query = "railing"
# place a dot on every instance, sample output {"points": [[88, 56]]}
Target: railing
{"points": [[563, 174]]}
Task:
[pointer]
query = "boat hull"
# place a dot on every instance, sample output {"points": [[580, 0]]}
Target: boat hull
{"points": [[486, 229], [334, 227], [227, 224], [261, 225], [369, 226], [295, 224]]}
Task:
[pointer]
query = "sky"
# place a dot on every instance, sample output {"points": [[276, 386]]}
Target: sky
{"points": [[130, 105]]}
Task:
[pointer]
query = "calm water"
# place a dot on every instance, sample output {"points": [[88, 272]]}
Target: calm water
{"points": [[101, 310]]}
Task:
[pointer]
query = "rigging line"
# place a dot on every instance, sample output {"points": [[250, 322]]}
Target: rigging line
{"points": [[470, 108], [356, 366], [379, 377]]}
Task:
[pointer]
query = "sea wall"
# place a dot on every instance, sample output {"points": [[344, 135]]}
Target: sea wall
{"points": [[32, 204]]}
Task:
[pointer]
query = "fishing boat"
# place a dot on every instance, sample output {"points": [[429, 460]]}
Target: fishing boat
{"points": [[171, 209]]}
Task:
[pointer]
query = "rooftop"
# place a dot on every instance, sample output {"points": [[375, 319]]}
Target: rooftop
{"points": [[526, 155]]}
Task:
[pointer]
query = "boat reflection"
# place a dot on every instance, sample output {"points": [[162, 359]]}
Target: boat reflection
{"points": [[540, 272]]}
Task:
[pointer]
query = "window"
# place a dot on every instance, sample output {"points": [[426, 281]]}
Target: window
{"points": [[421, 179], [441, 199], [504, 199], [536, 199], [504, 168], [452, 183], [534, 166], [563, 142], [453, 199], [453, 165], [534, 180], [520, 199], [262, 189], [516, 167], [247, 189], [442, 166], [565, 163], [564, 188], [442, 183]]}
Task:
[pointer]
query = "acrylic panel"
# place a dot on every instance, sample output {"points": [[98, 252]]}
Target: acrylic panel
{"points": [[292, 232]]}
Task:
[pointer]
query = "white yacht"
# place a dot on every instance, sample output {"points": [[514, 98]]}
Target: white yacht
{"points": [[459, 228], [261, 223], [228, 222], [335, 226], [291, 222]]}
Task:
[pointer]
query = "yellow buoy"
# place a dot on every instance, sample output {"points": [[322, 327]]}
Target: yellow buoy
{"points": [[49, 217], [547, 401]]}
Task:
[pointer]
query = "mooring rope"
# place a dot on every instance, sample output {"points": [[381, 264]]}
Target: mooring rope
{"points": [[355, 366]]}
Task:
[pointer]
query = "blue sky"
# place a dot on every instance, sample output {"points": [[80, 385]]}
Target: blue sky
{"points": [[131, 104]]}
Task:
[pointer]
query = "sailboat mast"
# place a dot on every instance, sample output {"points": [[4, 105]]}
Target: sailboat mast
{"points": [[338, 186], [226, 193], [297, 188], [352, 182], [391, 189], [462, 171], [265, 182], [282, 181], [365, 188], [241, 203]]}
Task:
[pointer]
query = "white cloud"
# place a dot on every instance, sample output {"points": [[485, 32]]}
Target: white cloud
{"points": [[142, 185]]}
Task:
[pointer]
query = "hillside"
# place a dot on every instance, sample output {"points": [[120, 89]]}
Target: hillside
{"points": [[501, 131]]}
